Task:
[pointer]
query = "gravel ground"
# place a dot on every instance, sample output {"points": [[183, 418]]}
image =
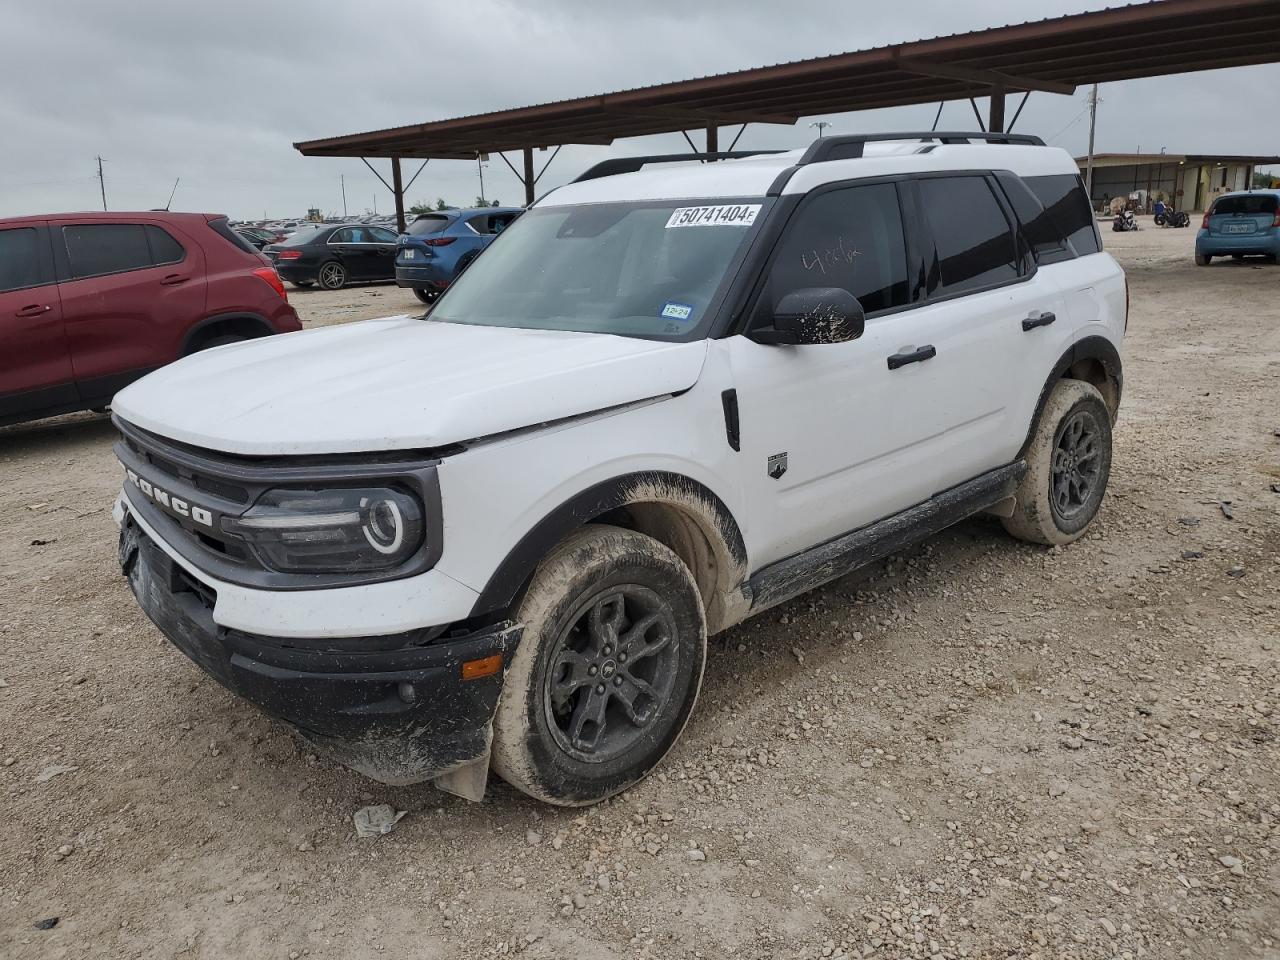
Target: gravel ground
{"points": [[974, 749]]}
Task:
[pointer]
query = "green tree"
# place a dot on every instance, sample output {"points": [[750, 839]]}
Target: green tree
{"points": [[440, 204], [420, 208]]}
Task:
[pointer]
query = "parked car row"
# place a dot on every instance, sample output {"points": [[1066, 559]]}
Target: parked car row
{"points": [[90, 302]]}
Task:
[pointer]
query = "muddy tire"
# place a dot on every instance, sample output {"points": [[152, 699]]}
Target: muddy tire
{"points": [[607, 670], [1202, 260], [1068, 465]]}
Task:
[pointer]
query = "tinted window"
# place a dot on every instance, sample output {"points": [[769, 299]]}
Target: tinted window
{"points": [[428, 223], [164, 249], [1257, 203], [1063, 197], [304, 236], [975, 245], [379, 235], [845, 238], [345, 235], [19, 259], [98, 248], [1048, 245]]}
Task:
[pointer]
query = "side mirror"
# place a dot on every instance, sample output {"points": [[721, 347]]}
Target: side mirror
{"points": [[815, 315]]}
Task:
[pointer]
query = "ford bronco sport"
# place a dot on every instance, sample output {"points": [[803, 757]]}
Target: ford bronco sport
{"points": [[664, 400]]}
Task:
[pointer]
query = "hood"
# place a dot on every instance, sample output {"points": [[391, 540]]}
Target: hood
{"points": [[397, 384]]}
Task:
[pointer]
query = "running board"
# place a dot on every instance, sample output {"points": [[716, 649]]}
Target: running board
{"points": [[828, 561]]}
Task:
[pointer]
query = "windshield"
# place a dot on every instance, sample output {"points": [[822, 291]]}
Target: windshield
{"points": [[647, 269], [428, 223]]}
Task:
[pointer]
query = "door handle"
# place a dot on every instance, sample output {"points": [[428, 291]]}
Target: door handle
{"points": [[917, 355], [33, 310], [175, 278], [1041, 319]]}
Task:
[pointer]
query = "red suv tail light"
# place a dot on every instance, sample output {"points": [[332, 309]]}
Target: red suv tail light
{"points": [[1276, 221], [289, 254], [272, 279], [439, 241]]}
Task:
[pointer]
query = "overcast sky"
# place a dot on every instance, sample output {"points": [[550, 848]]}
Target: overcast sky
{"points": [[216, 93]]}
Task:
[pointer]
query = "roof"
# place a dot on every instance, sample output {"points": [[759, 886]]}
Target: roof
{"points": [[1157, 159], [752, 177], [1055, 55]]}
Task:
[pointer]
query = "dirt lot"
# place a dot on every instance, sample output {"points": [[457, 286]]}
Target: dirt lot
{"points": [[976, 749]]}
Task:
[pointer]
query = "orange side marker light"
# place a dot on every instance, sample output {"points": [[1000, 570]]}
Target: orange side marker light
{"points": [[484, 667]]}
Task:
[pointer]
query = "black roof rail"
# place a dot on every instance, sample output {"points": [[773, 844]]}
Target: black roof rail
{"points": [[849, 146], [616, 165]]}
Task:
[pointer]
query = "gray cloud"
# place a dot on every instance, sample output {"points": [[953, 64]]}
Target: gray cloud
{"points": [[216, 93]]}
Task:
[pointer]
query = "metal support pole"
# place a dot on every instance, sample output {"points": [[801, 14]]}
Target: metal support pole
{"points": [[397, 187], [528, 176], [995, 121], [713, 139], [1093, 125]]}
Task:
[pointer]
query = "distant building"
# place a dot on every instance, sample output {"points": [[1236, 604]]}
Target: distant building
{"points": [[1191, 182]]}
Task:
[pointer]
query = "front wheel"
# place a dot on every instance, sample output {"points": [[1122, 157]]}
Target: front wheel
{"points": [[1068, 465], [332, 275], [607, 670]]}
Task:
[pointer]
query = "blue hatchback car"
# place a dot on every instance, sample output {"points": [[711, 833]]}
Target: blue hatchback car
{"points": [[1241, 224], [438, 246]]}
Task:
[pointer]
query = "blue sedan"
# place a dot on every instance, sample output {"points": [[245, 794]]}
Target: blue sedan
{"points": [[1241, 224], [438, 246]]}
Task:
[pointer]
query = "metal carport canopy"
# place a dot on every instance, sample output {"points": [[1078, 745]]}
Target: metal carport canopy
{"points": [[1053, 56]]}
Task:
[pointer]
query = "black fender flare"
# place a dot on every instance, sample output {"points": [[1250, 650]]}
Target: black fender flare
{"points": [[511, 575], [1090, 348], [239, 317]]}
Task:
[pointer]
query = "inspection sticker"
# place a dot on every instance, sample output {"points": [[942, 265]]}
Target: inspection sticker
{"points": [[677, 311], [724, 215]]}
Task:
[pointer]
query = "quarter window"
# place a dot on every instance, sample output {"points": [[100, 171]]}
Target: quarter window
{"points": [[164, 249], [1067, 205], [850, 238], [1047, 242], [975, 246], [378, 235], [19, 259], [95, 249]]}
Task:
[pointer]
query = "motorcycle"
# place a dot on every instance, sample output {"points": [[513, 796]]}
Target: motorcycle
{"points": [[1173, 218], [1124, 222]]}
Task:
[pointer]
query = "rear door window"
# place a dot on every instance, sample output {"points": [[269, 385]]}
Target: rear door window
{"points": [[1064, 199], [21, 264], [379, 235], [850, 238], [96, 249], [1249, 204], [975, 243]]}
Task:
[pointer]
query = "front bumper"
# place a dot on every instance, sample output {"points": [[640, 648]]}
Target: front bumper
{"points": [[394, 708]]}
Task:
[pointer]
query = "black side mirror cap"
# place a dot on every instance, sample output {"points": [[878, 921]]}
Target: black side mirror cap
{"points": [[815, 315]]}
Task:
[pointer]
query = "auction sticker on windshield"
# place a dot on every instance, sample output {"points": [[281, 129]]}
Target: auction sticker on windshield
{"points": [[724, 215]]}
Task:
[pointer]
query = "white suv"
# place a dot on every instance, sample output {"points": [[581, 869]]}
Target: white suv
{"points": [[662, 401]]}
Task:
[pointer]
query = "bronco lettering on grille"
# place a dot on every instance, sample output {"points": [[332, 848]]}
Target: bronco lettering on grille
{"points": [[174, 504]]}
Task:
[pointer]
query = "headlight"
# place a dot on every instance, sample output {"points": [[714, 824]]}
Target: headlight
{"points": [[331, 531]]}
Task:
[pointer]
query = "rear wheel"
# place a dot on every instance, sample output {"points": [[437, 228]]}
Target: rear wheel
{"points": [[426, 296], [332, 275], [218, 341], [1202, 260], [607, 670], [1068, 465]]}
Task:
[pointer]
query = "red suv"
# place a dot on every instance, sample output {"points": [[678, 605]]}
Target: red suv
{"points": [[92, 301]]}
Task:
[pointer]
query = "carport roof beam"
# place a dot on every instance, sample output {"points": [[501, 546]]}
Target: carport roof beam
{"points": [[1055, 55]]}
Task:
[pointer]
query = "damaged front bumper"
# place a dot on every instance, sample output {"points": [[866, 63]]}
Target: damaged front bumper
{"points": [[399, 709]]}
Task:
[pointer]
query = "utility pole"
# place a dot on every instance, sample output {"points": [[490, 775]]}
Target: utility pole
{"points": [[102, 184], [1093, 124], [480, 167], [342, 179], [821, 125]]}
